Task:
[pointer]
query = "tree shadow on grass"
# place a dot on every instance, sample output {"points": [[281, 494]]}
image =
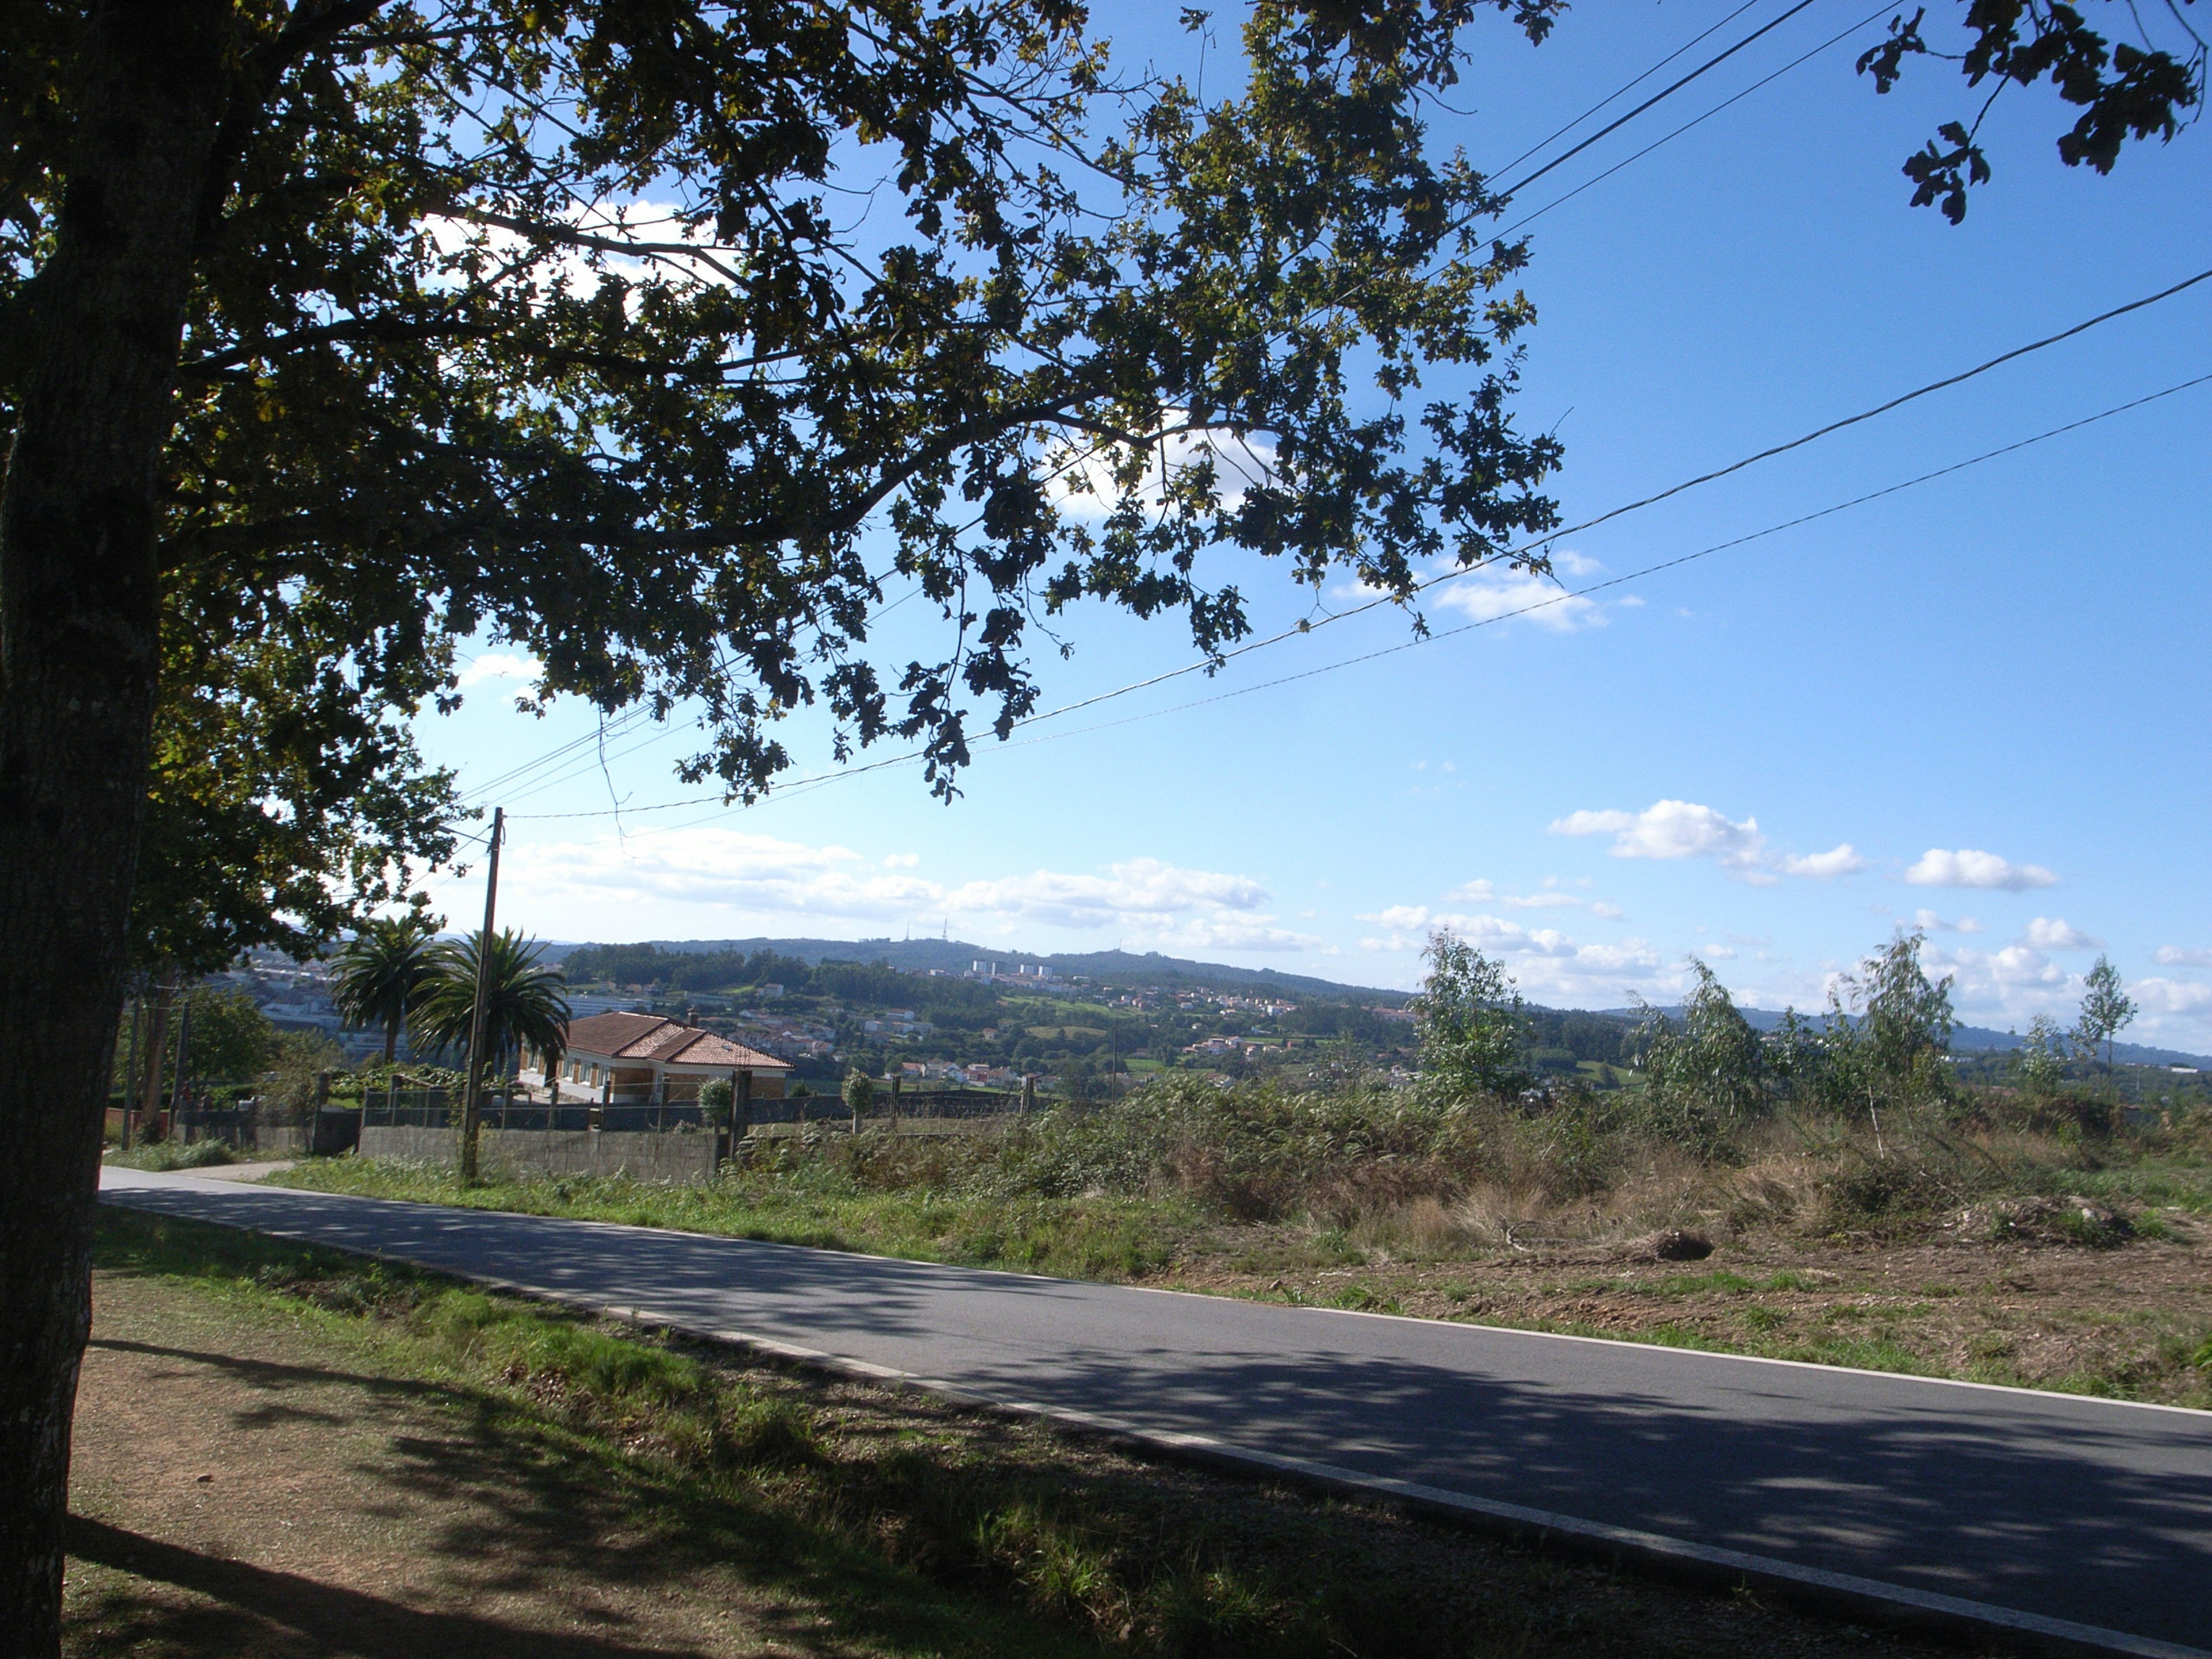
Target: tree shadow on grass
{"points": [[311, 1617], [494, 1502]]}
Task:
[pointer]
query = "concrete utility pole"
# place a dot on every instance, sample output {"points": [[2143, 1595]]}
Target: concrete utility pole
{"points": [[470, 1099]]}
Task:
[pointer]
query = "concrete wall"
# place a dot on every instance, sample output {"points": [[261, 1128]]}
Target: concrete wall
{"points": [[674, 1155]]}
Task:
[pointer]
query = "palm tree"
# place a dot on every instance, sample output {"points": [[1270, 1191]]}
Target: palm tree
{"points": [[382, 974], [525, 1005]]}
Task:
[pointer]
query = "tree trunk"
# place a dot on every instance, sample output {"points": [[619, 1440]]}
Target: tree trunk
{"points": [[93, 354]]}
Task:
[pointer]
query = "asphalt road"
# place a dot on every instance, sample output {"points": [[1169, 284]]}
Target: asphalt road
{"points": [[2034, 1508]]}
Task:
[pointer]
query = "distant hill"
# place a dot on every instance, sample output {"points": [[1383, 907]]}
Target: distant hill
{"points": [[920, 956]]}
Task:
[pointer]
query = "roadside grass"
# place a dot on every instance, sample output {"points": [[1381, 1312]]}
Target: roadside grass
{"points": [[168, 1155], [1551, 1219], [1083, 1237], [919, 1528]]}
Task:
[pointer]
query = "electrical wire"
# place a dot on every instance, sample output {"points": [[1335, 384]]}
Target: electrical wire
{"points": [[1527, 219], [1561, 598], [1545, 143], [1660, 96]]}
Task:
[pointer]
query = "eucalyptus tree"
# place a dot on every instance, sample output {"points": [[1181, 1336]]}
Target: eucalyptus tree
{"points": [[661, 342], [380, 976], [1707, 1077], [1468, 1015], [2106, 1011]]}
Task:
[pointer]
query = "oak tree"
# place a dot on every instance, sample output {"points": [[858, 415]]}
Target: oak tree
{"points": [[656, 337]]}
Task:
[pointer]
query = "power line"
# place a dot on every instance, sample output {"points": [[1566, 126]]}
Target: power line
{"points": [[1552, 537], [1565, 595], [1615, 125], [1529, 219], [820, 779], [1546, 142]]}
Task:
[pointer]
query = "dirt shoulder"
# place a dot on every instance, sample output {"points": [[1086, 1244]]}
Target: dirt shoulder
{"points": [[272, 1462], [244, 1489], [2133, 1321]]}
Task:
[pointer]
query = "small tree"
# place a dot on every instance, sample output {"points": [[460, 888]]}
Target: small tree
{"points": [[2106, 1011], [860, 1094], [716, 1097], [1468, 1015], [1887, 1036], [296, 1059], [1706, 1078], [232, 1038], [2041, 1062]]}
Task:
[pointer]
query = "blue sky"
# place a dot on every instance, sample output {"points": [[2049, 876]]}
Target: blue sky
{"points": [[1975, 706]]}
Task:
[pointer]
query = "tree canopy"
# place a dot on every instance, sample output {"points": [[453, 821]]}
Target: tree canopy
{"points": [[662, 342]]}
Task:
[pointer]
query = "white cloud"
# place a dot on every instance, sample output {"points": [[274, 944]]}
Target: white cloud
{"points": [[1544, 963], [1673, 829], [500, 666], [1607, 912], [655, 243], [1929, 921], [1968, 868], [2173, 956], [1148, 901], [2172, 996], [726, 869], [1086, 481], [1139, 888], [1492, 594], [2056, 933], [1839, 860]]}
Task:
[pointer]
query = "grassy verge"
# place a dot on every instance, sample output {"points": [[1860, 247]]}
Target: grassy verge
{"points": [[1986, 1301], [915, 1528], [168, 1155], [1094, 1237]]}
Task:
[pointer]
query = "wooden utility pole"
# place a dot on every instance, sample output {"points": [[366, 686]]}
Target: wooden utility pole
{"points": [[177, 1090], [157, 1055], [470, 1099], [131, 1076]]}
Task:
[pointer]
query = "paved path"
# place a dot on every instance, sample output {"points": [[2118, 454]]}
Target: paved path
{"points": [[2034, 1507]]}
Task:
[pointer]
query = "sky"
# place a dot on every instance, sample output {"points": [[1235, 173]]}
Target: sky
{"points": [[1974, 707]]}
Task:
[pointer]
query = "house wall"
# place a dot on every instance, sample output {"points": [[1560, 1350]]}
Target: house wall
{"points": [[673, 1157]]}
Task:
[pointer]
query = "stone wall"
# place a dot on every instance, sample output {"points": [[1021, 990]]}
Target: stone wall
{"points": [[676, 1157]]}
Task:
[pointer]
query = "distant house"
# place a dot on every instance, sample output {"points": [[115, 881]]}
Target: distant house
{"points": [[646, 1057]]}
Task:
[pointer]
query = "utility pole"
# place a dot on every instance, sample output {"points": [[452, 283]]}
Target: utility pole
{"points": [[470, 1099], [178, 1098], [157, 1055], [131, 1076]]}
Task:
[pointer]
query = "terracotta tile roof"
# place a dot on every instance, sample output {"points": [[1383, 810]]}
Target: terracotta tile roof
{"points": [[651, 1038]]}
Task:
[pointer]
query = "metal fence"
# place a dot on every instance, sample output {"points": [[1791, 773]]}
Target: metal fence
{"points": [[440, 1108]]}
